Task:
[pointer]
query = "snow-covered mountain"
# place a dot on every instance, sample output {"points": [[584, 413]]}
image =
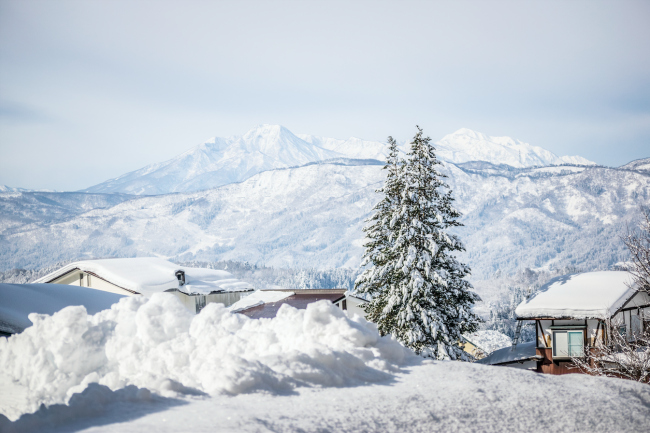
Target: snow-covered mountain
{"points": [[352, 147], [466, 145], [220, 161], [26, 210], [5, 188], [312, 216], [642, 164]]}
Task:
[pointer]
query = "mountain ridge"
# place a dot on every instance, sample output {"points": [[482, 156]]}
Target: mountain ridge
{"points": [[311, 216], [220, 161]]}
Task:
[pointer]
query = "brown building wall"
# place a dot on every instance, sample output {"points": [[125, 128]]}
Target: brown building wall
{"points": [[548, 366]]}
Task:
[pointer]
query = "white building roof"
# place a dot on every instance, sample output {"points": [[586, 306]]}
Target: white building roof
{"points": [[149, 275], [18, 301], [579, 296]]}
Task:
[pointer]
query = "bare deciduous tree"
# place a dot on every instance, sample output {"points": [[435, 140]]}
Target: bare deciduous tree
{"points": [[638, 242], [622, 354]]}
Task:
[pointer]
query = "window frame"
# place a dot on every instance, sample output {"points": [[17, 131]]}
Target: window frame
{"points": [[567, 330]]}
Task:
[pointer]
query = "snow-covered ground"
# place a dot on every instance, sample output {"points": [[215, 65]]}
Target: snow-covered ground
{"points": [[305, 370]]}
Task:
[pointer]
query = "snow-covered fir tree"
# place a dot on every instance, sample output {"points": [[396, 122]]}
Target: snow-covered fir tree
{"points": [[378, 249], [418, 289]]}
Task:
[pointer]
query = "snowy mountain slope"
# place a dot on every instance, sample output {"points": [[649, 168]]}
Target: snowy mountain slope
{"points": [[352, 147], [220, 161], [466, 145], [312, 216], [5, 188], [29, 209], [461, 146], [642, 164]]}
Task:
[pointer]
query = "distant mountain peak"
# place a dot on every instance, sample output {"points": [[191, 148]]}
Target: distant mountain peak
{"points": [[466, 145], [469, 132], [266, 128]]}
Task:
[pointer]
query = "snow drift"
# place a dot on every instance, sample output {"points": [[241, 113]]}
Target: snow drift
{"points": [[157, 344]]}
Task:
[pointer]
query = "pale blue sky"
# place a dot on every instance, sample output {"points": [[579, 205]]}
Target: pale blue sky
{"points": [[90, 90]]}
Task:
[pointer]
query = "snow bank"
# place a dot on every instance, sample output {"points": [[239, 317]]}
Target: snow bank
{"points": [[95, 401], [488, 340], [580, 296], [18, 301], [259, 297], [431, 396], [154, 343], [149, 275]]}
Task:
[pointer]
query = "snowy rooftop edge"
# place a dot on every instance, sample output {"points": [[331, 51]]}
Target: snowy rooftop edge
{"points": [[581, 296], [149, 275]]}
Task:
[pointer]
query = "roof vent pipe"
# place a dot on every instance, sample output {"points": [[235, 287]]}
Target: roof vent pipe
{"points": [[180, 275]]}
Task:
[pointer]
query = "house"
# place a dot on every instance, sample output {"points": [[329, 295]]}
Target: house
{"points": [[195, 287], [266, 303], [572, 312], [354, 303]]}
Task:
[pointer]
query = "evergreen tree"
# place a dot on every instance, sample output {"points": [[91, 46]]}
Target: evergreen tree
{"points": [[419, 294], [379, 230]]}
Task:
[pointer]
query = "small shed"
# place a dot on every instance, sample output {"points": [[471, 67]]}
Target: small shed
{"points": [[195, 287], [521, 356], [571, 313], [479, 344], [266, 303]]}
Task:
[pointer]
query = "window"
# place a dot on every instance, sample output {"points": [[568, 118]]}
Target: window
{"points": [[345, 304], [575, 343], [636, 324], [567, 344]]}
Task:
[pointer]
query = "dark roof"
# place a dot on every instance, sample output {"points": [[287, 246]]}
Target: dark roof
{"points": [[299, 300]]}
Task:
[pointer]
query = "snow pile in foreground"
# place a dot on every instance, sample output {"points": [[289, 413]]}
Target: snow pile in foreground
{"points": [[488, 340], [428, 396], [157, 344]]}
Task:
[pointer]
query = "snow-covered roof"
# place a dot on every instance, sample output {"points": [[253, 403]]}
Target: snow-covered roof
{"points": [[488, 340], [149, 275], [522, 352], [259, 297], [18, 301], [361, 296], [579, 296]]}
